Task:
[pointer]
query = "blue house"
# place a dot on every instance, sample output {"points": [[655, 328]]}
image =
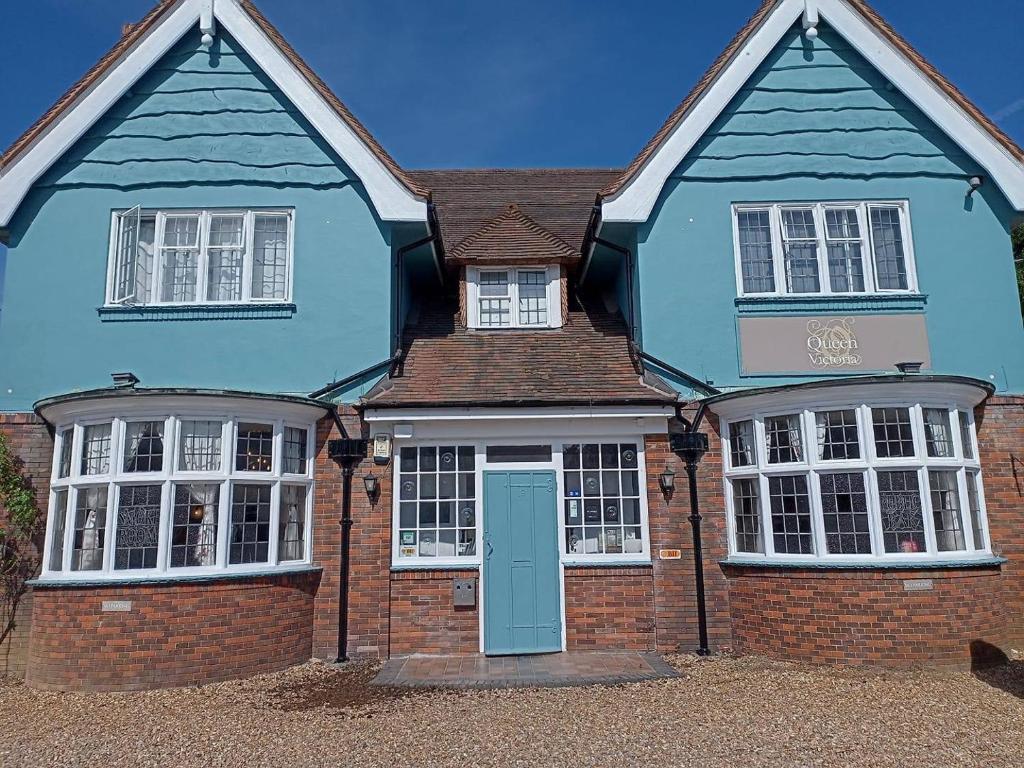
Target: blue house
{"points": [[257, 326]]}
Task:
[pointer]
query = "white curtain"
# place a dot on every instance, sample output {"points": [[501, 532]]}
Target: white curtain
{"points": [[293, 500], [205, 549]]}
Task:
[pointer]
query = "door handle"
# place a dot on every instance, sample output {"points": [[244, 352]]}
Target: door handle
{"points": [[490, 549]]}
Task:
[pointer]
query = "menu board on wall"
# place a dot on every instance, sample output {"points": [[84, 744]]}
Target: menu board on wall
{"points": [[831, 343]]}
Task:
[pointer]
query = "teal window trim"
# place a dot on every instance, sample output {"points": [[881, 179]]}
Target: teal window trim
{"points": [[814, 305]]}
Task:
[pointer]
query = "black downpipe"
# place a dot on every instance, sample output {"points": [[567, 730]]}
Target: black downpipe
{"points": [[698, 557], [347, 470]]}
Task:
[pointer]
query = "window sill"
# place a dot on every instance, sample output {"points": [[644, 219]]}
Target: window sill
{"points": [[57, 582], [638, 563], [861, 565], [470, 566], [276, 311], [852, 303]]}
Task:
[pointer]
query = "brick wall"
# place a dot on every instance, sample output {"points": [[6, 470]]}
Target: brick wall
{"points": [[424, 618], [176, 633], [1000, 424], [609, 609], [868, 617], [33, 447]]}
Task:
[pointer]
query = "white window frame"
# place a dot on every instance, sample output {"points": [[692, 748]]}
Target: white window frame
{"points": [[824, 278], [226, 478], [554, 465], [869, 464], [554, 297], [205, 215]]}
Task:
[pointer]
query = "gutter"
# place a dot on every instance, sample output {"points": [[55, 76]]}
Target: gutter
{"points": [[336, 385]]}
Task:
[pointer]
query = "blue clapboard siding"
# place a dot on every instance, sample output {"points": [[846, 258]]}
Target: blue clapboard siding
{"points": [[817, 122], [201, 129]]}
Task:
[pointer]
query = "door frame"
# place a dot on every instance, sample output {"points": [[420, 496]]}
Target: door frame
{"points": [[526, 466]]}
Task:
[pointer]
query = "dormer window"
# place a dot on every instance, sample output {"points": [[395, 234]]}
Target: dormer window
{"points": [[215, 256], [513, 297]]}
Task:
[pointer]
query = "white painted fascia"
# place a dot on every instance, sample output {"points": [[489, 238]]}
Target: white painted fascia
{"points": [[554, 412], [635, 201], [392, 199]]}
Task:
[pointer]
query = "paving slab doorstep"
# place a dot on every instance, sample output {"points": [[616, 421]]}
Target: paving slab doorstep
{"points": [[554, 670]]}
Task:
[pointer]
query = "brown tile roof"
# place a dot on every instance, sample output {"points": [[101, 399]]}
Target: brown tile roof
{"points": [[133, 32], [588, 361], [511, 238], [725, 57], [557, 199]]}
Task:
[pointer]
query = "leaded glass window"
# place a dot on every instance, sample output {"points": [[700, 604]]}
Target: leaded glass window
{"points": [[60, 517], [602, 499], [200, 446], [966, 438], [755, 242], [179, 257], [96, 449], [937, 435], [250, 524], [437, 501], [225, 258], [270, 257], [945, 495], [741, 443], [138, 527], [66, 446], [295, 450], [194, 525], [90, 532], [254, 448], [144, 446], [521, 297], [887, 243], [844, 507], [747, 515], [845, 260], [899, 496], [894, 436], [292, 525], [782, 434], [837, 435], [790, 508], [974, 504], [800, 250]]}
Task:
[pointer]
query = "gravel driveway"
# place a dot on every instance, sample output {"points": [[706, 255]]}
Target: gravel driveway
{"points": [[721, 712]]}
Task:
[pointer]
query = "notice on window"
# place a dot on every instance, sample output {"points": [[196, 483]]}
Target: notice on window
{"points": [[832, 343]]}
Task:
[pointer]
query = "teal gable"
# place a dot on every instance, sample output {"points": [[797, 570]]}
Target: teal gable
{"points": [[817, 123], [201, 129]]}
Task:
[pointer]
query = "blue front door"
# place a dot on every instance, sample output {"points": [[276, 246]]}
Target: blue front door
{"points": [[522, 602]]}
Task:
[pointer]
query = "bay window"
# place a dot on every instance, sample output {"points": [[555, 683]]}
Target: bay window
{"points": [[856, 480], [200, 257], [810, 249], [161, 495]]}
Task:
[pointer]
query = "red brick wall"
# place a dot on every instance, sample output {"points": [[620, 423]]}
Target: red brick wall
{"points": [[176, 633], [424, 618], [609, 609], [32, 445], [867, 617], [1000, 424]]}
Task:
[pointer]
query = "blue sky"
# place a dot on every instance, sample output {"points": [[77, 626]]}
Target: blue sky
{"points": [[465, 83]]}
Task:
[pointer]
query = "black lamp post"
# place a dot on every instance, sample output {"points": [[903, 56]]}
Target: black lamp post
{"points": [[691, 447], [348, 453]]}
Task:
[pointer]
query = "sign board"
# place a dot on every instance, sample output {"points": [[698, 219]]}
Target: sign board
{"points": [[381, 449], [917, 585], [118, 606], [831, 343], [670, 554]]}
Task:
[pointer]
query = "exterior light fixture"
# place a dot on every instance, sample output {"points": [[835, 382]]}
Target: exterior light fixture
{"points": [[372, 485], [667, 480], [125, 380], [974, 183]]}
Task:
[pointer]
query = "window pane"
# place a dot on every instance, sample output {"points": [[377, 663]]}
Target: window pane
{"points": [[180, 258], [945, 492], [133, 276], [254, 451], [837, 435], [292, 541], [974, 501], [194, 525], [610, 510], [144, 446], [66, 444], [533, 297], [782, 434], [514, 453], [756, 251], [844, 507], [250, 524], [741, 443], [495, 303], [90, 529], [295, 450], [60, 516], [144, 263], [437, 511], [96, 449], [138, 526], [887, 241], [899, 497], [893, 435], [791, 515], [845, 260], [937, 435], [225, 257], [800, 250], [200, 446], [747, 515], [966, 440], [270, 257]]}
